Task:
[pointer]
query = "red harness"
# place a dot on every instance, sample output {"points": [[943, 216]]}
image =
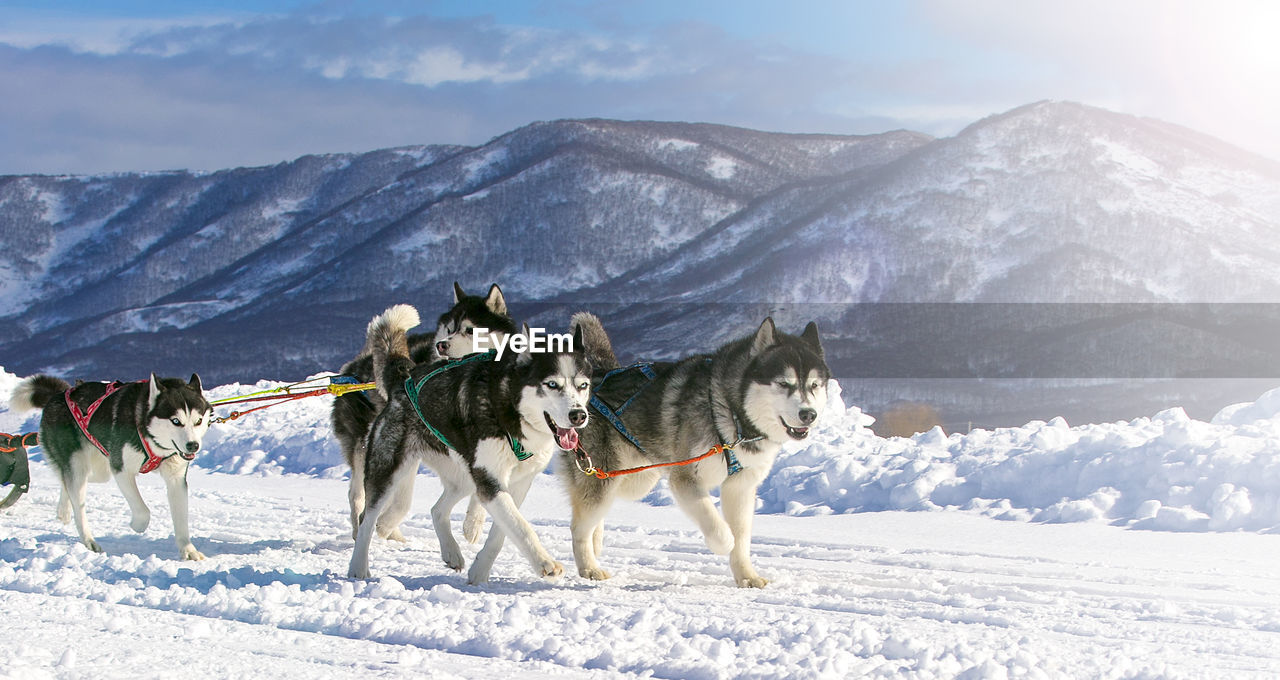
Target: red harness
{"points": [[82, 419]]}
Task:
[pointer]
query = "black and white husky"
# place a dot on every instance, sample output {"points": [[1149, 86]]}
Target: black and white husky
{"points": [[99, 430], [354, 412], [758, 392], [486, 426]]}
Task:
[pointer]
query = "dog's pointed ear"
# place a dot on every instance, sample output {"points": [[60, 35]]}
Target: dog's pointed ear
{"points": [[154, 394], [766, 337], [457, 293], [525, 357], [810, 335], [194, 382], [578, 346], [495, 302]]}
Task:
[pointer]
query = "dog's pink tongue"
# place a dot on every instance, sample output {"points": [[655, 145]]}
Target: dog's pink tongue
{"points": [[567, 438]]}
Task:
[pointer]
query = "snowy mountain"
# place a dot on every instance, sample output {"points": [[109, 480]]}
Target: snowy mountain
{"points": [[681, 236]]}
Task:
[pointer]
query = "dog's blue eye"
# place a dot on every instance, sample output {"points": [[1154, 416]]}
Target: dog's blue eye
{"points": [[551, 384], [584, 385], [175, 421]]}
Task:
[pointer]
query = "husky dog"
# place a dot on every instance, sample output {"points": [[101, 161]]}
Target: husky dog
{"points": [[99, 430], [354, 412], [493, 426], [759, 392]]}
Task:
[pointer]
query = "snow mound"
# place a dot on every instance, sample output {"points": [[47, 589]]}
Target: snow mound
{"points": [[1165, 472], [286, 438]]}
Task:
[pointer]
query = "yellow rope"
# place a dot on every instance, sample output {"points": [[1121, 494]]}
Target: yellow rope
{"points": [[336, 390]]}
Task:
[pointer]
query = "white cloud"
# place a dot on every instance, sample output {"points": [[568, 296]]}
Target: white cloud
{"points": [[219, 92]]}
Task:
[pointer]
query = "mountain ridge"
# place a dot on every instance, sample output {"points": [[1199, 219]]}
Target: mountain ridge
{"points": [[273, 271]]}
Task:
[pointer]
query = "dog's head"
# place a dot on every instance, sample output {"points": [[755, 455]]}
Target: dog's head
{"points": [[457, 326], [786, 382], [555, 386], [178, 415]]}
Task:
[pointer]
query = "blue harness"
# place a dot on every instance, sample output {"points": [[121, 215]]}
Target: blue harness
{"points": [[614, 416]]}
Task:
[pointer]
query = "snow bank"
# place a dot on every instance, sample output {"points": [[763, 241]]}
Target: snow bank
{"points": [[290, 437], [1166, 472]]}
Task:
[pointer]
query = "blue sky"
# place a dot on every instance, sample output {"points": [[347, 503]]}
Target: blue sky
{"points": [[90, 87]]}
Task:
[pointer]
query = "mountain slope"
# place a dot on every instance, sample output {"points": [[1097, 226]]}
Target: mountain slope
{"points": [[681, 236]]}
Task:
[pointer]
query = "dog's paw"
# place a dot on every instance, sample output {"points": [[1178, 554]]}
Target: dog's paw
{"points": [[140, 522], [64, 514], [453, 557], [93, 546], [395, 535], [594, 573], [551, 569], [473, 526], [189, 552], [753, 581], [478, 574], [358, 572]]}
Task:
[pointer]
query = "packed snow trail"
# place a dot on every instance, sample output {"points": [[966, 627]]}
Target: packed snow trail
{"points": [[870, 595], [1045, 551]]}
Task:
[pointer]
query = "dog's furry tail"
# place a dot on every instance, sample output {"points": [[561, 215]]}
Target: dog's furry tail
{"points": [[388, 342], [595, 342], [36, 391]]}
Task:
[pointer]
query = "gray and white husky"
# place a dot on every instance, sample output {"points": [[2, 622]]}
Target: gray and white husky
{"points": [[495, 425], [354, 412], [759, 392], [129, 429]]}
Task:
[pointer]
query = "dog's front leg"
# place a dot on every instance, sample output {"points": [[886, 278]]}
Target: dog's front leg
{"points": [[697, 504], [738, 503], [483, 563], [174, 471], [127, 480], [492, 472]]}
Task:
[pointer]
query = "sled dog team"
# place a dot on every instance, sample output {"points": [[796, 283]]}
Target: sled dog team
{"points": [[487, 425]]}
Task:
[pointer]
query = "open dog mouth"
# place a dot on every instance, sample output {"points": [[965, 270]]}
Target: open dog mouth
{"points": [[795, 432], [566, 437], [182, 451]]}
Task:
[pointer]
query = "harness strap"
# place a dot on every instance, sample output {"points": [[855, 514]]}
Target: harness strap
{"points": [[732, 464], [414, 389], [581, 457], [82, 418], [153, 461], [615, 416], [21, 441], [14, 468]]}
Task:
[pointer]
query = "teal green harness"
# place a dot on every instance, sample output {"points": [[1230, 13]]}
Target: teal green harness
{"points": [[413, 389]]}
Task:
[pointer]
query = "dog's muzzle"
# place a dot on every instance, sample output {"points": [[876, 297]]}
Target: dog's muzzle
{"points": [[567, 437], [796, 433]]}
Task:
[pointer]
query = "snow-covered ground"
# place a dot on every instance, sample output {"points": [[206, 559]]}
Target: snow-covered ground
{"points": [[1139, 549]]}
